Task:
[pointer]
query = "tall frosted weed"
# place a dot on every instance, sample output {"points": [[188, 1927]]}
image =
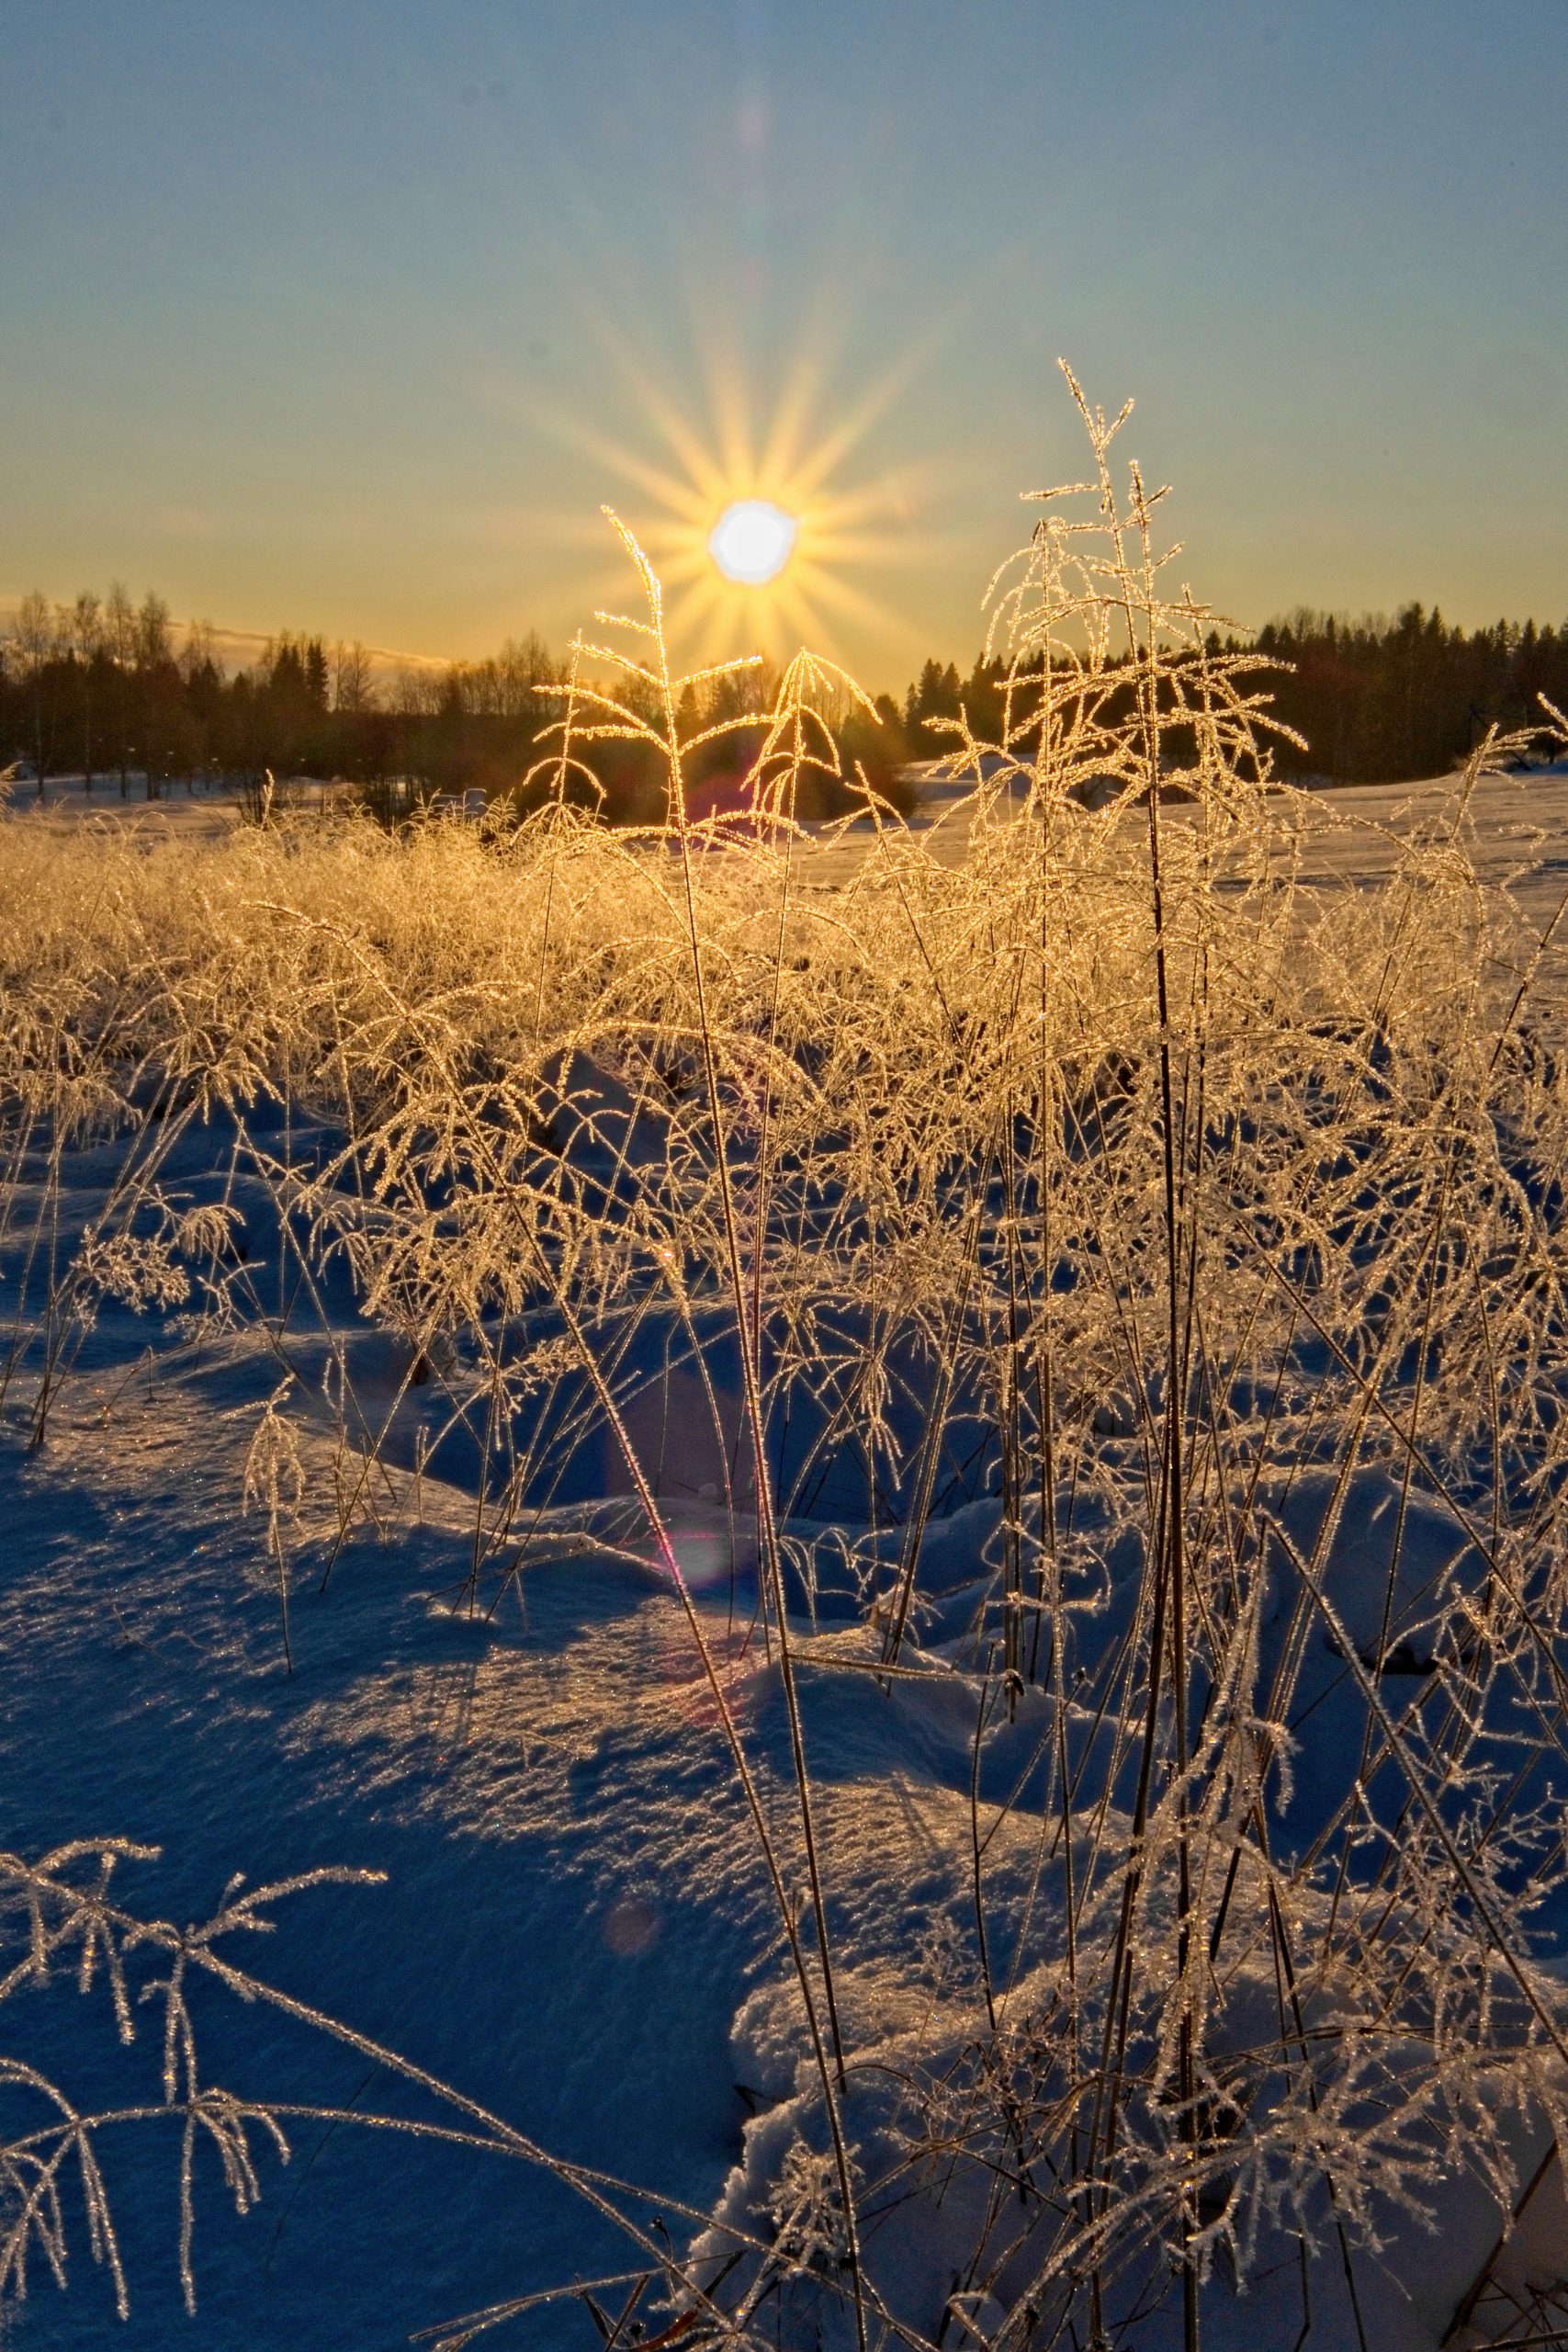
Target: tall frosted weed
{"points": [[1193, 1226]]}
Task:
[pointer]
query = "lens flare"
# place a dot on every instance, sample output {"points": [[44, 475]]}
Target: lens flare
{"points": [[751, 541]]}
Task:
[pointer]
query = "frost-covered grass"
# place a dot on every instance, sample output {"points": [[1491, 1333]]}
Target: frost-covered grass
{"points": [[1094, 1309]]}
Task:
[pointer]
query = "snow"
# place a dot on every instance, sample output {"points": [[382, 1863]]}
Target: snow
{"points": [[574, 1914], [574, 1925]]}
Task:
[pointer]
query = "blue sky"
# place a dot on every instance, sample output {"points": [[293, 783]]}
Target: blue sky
{"points": [[348, 316]]}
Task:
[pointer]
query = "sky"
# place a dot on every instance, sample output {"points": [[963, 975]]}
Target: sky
{"points": [[348, 317]]}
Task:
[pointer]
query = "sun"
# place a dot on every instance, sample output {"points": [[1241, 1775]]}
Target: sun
{"points": [[755, 501], [753, 541]]}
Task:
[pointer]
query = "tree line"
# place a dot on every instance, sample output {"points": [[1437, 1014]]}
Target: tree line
{"points": [[1377, 700], [1413, 696], [98, 689]]}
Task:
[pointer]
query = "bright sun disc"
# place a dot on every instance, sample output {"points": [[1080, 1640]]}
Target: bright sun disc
{"points": [[751, 540]]}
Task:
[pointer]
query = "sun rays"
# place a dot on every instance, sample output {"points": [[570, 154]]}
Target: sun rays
{"points": [[751, 507]]}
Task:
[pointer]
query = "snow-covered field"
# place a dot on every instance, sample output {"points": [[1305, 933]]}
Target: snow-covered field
{"points": [[574, 1927]]}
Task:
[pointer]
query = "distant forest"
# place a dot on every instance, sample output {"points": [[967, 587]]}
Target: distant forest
{"points": [[1377, 700], [97, 688]]}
